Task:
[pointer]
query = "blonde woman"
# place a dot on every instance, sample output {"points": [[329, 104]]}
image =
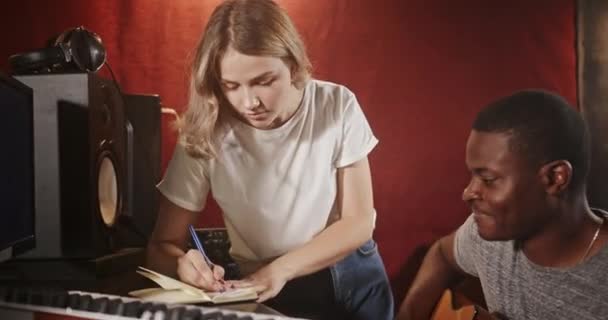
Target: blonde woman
{"points": [[285, 157]]}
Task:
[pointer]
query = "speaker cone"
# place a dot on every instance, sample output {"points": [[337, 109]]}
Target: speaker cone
{"points": [[108, 193]]}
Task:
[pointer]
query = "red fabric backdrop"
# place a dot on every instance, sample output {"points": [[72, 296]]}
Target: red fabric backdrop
{"points": [[421, 70]]}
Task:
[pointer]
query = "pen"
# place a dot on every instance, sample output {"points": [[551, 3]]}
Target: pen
{"points": [[199, 246]]}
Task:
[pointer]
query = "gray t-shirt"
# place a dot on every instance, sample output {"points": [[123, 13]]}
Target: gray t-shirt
{"points": [[520, 289]]}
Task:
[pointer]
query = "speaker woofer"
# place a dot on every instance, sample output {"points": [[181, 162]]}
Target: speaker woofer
{"points": [[109, 200]]}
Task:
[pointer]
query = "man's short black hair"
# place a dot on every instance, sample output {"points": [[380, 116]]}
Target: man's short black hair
{"points": [[544, 128]]}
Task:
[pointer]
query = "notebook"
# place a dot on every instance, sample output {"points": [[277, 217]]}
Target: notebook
{"points": [[175, 291]]}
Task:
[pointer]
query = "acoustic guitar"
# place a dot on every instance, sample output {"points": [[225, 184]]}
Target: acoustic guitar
{"points": [[446, 309]]}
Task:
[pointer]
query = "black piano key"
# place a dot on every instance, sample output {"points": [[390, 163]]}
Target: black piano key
{"points": [[191, 314], [175, 313], [22, 295], [84, 302], [147, 315], [8, 295], [4, 291], [12, 295], [36, 298], [245, 318], [147, 306], [60, 300], [115, 307], [215, 315], [136, 308], [132, 309], [47, 297], [16, 295], [73, 300], [161, 308], [158, 311], [154, 314], [99, 305], [230, 316]]}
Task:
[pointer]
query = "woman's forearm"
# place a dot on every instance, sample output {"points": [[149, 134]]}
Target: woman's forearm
{"points": [[162, 256], [328, 247]]}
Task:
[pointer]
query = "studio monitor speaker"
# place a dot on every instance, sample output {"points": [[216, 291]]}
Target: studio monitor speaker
{"points": [[143, 112], [87, 199], [93, 170]]}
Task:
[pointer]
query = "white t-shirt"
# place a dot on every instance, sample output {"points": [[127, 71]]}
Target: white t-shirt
{"points": [[277, 188]]}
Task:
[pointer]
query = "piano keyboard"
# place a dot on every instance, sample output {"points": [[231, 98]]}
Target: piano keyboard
{"points": [[18, 303]]}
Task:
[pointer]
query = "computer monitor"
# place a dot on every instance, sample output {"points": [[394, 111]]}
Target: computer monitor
{"points": [[17, 206]]}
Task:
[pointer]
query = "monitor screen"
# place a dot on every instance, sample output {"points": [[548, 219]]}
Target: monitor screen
{"points": [[17, 207]]}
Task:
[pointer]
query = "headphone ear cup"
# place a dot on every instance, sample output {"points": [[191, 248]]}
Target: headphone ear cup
{"points": [[86, 49]]}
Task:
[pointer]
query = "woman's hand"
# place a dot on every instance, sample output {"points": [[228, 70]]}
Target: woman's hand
{"points": [[192, 269], [268, 281]]}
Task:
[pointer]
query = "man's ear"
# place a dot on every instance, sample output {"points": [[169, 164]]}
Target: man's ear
{"points": [[556, 176]]}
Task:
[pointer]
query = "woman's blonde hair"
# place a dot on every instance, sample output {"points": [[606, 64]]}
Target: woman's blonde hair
{"points": [[251, 27]]}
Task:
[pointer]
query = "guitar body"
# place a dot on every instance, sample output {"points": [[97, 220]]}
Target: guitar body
{"points": [[447, 310]]}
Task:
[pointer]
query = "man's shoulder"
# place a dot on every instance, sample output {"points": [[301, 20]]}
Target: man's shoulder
{"points": [[477, 251]]}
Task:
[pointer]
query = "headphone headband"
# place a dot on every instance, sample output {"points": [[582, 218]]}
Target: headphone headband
{"points": [[76, 49]]}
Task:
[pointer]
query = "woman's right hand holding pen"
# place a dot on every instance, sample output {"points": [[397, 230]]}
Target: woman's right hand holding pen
{"points": [[193, 269]]}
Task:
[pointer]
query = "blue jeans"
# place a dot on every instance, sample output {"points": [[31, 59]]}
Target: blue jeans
{"points": [[361, 285], [354, 288]]}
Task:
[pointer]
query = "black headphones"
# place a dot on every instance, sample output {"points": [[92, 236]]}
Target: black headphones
{"points": [[76, 49]]}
